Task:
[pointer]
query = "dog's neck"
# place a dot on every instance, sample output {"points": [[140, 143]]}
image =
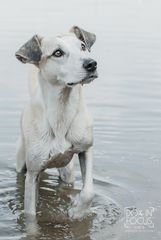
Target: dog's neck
{"points": [[61, 105]]}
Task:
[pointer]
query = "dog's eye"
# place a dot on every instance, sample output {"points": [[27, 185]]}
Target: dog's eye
{"points": [[58, 53], [83, 47]]}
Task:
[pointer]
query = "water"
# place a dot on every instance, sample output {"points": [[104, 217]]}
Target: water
{"points": [[126, 105]]}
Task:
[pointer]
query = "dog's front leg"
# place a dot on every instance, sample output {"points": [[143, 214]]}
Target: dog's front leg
{"points": [[84, 199], [31, 182], [86, 164]]}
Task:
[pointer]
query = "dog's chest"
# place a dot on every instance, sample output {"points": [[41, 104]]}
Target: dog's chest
{"points": [[65, 144], [56, 139], [59, 150]]}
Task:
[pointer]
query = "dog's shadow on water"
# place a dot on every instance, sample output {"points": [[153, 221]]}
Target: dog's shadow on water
{"points": [[52, 221]]}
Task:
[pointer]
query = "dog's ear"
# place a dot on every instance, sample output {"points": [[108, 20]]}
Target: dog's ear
{"points": [[30, 52], [87, 37]]}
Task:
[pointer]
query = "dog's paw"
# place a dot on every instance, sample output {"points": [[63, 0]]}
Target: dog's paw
{"points": [[76, 213], [80, 206]]}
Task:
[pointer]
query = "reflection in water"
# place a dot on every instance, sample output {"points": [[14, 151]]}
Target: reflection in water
{"points": [[52, 220]]}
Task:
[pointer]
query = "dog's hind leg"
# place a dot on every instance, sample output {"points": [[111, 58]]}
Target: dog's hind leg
{"points": [[20, 156], [67, 173]]}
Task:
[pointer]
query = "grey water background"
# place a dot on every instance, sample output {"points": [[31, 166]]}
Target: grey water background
{"points": [[125, 102]]}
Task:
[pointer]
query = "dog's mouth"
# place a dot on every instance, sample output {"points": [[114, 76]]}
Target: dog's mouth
{"points": [[85, 80]]}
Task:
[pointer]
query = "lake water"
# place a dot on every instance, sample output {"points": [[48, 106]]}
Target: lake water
{"points": [[126, 105]]}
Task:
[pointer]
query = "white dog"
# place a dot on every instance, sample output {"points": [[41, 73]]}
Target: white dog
{"points": [[55, 124]]}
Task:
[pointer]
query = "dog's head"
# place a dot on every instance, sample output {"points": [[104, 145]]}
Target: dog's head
{"points": [[64, 59]]}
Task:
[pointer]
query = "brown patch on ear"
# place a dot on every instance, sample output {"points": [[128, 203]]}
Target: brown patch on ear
{"points": [[30, 52], [84, 36]]}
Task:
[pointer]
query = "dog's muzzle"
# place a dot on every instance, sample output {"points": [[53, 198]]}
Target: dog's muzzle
{"points": [[90, 66]]}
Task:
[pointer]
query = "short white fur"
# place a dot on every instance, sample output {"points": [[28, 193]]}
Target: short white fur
{"points": [[56, 124]]}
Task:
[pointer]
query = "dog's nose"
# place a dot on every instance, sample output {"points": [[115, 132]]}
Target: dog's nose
{"points": [[90, 65]]}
